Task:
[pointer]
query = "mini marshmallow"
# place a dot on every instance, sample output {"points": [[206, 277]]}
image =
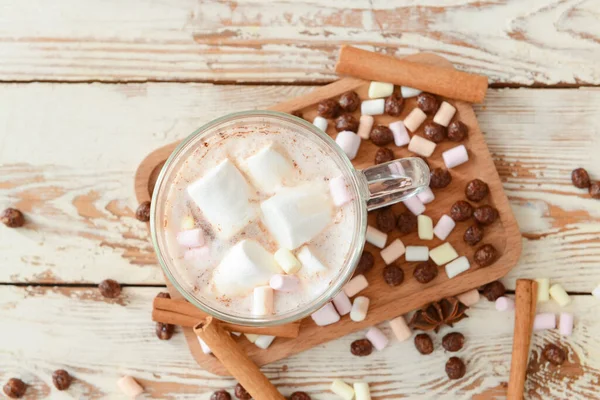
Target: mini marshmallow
{"points": [[408, 92], [421, 146], [596, 292], [262, 301], [130, 387], [559, 295], [326, 315], [426, 196], [264, 341], [338, 188], [444, 227], [355, 285], [251, 337], [361, 391], [444, 114], [372, 107], [443, 254], [425, 227], [396, 168], [544, 321], [377, 338], [321, 123], [287, 261], [349, 142], [342, 389], [269, 170], [342, 303], [400, 328], [380, 89], [413, 121], [416, 253], [198, 253], [469, 298], [376, 237], [204, 346], [191, 238], [565, 324], [543, 293], [401, 137], [364, 126], [505, 304], [455, 156], [414, 205], [393, 252], [309, 261], [284, 283], [359, 309], [457, 267], [188, 223]]}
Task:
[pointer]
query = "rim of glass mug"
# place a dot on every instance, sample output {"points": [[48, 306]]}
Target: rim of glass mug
{"points": [[372, 188]]}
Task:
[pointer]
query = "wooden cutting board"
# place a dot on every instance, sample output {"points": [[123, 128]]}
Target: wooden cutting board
{"points": [[386, 302]]}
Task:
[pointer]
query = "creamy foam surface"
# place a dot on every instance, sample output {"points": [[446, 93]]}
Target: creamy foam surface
{"points": [[312, 165]]}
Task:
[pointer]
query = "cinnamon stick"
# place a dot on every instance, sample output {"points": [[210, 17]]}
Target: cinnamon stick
{"points": [[447, 82], [183, 313], [236, 361], [525, 306]]}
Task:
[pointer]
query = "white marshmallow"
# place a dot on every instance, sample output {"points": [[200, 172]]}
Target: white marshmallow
{"points": [[361, 391], [342, 303], [349, 142], [414, 205], [262, 301], [188, 223], [284, 283], [416, 253], [457, 267], [223, 196], [197, 253], [408, 92], [251, 337], [191, 238], [204, 346], [559, 295], [393, 252], [296, 215], [443, 254], [340, 194], [444, 114], [130, 387], [321, 123], [455, 156], [364, 126], [326, 315], [469, 298], [426, 196], [380, 89], [421, 146], [376, 237], [444, 227], [287, 261], [245, 266], [310, 263], [543, 293], [268, 169], [425, 227], [360, 307], [413, 121], [372, 107], [400, 328], [355, 285], [264, 341], [401, 137], [596, 292], [342, 389]]}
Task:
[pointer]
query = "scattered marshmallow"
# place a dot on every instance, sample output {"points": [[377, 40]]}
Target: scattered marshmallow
{"points": [[356, 285], [130, 387], [426, 196], [393, 252], [416, 253], [349, 142], [188, 223], [414, 205], [559, 295], [455, 156], [396, 168], [284, 283], [407, 92], [338, 188], [191, 238], [251, 337], [421, 146], [342, 389], [287, 261], [198, 253], [413, 121], [262, 301], [204, 346], [425, 227], [377, 338], [596, 292], [401, 137], [362, 391], [544, 321], [400, 328], [264, 341], [359, 309], [443, 254], [505, 304], [364, 126], [444, 114], [543, 293], [469, 298], [376, 237], [342, 303], [321, 123], [380, 89], [565, 324], [457, 267], [326, 315], [444, 227], [372, 107], [309, 261]]}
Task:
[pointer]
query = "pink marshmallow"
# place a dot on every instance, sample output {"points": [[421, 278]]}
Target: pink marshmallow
{"points": [[364, 126], [356, 285], [339, 191], [455, 156], [469, 298], [414, 205], [396, 168], [191, 238], [505, 304], [326, 315], [565, 324], [426, 196], [401, 137], [349, 142], [198, 253], [342, 303], [377, 338], [284, 283], [444, 227], [544, 321], [400, 328]]}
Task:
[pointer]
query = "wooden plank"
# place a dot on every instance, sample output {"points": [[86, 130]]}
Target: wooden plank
{"points": [[541, 42], [98, 340], [79, 197]]}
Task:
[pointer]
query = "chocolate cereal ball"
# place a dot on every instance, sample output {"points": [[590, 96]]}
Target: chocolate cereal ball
{"points": [[428, 103], [349, 101], [493, 290], [476, 190], [473, 235], [485, 215], [109, 288], [241, 393], [15, 388], [365, 263], [386, 220], [425, 272], [383, 154], [554, 354], [439, 178], [461, 211], [12, 218], [595, 190], [381, 135], [346, 122], [407, 222], [453, 341], [423, 343], [434, 132], [455, 368], [61, 379], [394, 105], [143, 212], [486, 255], [457, 131], [164, 331], [361, 347], [580, 178], [393, 275], [328, 109], [300, 396]]}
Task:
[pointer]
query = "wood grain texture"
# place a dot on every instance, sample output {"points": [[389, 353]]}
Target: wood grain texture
{"points": [[542, 42], [79, 199], [99, 340]]}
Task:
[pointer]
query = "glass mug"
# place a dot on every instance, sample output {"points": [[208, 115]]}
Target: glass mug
{"points": [[371, 188]]}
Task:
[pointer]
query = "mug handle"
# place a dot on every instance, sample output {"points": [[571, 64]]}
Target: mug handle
{"points": [[394, 181]]}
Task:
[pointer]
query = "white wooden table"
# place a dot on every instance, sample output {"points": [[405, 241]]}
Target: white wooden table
{"points": [[87, 89]]}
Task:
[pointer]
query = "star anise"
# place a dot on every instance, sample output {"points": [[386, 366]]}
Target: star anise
{"points": [[447, 311]]}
